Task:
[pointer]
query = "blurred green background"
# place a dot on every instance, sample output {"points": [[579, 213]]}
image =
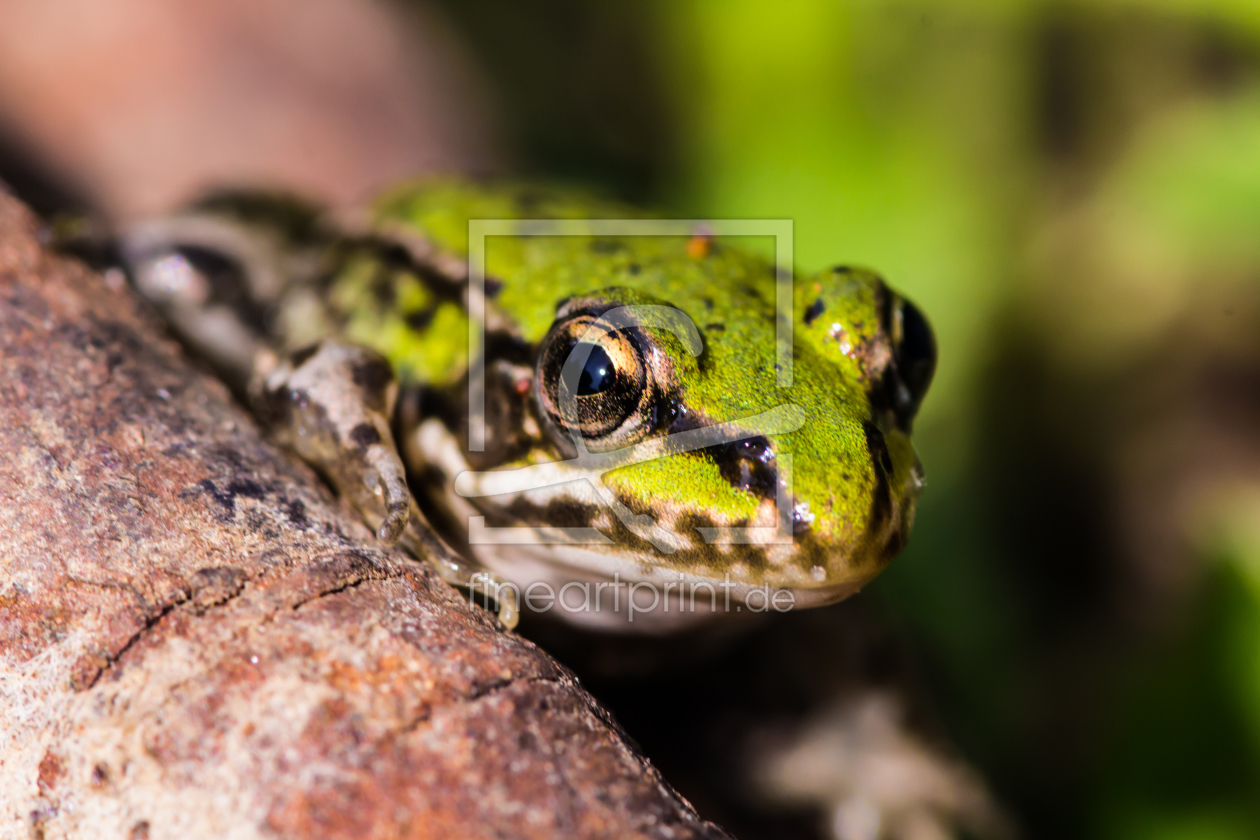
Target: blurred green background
{"points": [[1071, 191]]}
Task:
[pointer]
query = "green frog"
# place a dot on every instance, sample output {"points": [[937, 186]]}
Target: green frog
{"points": [[635, 432]]}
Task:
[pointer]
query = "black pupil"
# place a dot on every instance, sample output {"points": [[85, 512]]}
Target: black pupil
{"points": [[598, 373]]}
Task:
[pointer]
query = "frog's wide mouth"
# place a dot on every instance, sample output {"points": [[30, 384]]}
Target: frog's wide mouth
{"points": [[611, 590], [563, 518]]}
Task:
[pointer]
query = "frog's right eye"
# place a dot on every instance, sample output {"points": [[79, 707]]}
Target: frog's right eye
{"points": [[595, 380]]}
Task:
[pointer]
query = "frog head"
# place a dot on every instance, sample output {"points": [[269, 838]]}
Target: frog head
{"points": [[641, 424]]}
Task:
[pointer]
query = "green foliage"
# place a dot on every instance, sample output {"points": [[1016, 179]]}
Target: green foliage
{"points": [[1070, 190], [1067, 173]]}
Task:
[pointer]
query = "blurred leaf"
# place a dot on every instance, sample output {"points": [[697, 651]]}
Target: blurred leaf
{"points": [[888, 133], [1244, 14]]}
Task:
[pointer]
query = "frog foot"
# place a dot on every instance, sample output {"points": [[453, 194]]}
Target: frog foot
{"points": [[422, 541], [330, 404]]}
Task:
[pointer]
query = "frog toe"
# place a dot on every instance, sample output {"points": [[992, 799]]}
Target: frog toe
{"points": [[331, 404], [390, 478]]}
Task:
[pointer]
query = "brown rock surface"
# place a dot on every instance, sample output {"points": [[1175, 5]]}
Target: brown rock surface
{"points": [[196, 640]]}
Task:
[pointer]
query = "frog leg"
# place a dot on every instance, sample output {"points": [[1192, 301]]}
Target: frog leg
{"points": [[422, 541], [215, 273], [330, 403]]}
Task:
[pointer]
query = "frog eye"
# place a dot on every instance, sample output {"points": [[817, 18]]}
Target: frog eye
{"points": [[915, 350], [914, 357], [595, 380]]}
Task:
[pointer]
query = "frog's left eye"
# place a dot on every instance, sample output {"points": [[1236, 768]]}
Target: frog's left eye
{"points": [[913, 357], [595, 380]]}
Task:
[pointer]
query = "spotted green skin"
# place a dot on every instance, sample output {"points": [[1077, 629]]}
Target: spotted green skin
{"points": [[861, 512]]}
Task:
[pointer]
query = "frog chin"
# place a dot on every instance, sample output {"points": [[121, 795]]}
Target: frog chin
{"points": [[585, 578], [592, 587]]}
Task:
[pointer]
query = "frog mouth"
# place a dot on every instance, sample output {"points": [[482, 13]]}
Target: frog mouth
{"points": [[741, 449]]}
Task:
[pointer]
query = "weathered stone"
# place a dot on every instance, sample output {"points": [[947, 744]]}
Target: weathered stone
{"points": [[197, 640]]}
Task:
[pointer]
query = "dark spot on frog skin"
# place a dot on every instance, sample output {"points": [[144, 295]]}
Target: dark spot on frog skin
{"points": [[715, 327], [419, 320], [227, 277], [689, 525], [502, 346], [383, 289], [708, 302], [276, 406], [748, 465], [881, 461], [877, 447], [300, 357], [372, 375], [293, 219], [842, 269], [634, 268], [896, 542], [815, 309], [365, 435], [571, 513], [559, 513]]}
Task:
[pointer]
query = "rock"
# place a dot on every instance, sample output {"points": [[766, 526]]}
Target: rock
{"points": [[198, 640]]}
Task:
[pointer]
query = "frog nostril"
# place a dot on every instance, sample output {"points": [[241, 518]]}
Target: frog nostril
{"points": [[748, 464]]}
